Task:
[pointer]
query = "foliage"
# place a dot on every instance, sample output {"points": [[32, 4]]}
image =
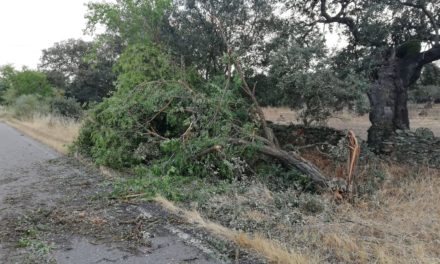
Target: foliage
{"points": [[143, 63], [408, 49], [428, 87], [6, 73], [27, 105], [67, 107], [27, 82], [312, 88], [82, 69], [163, 124], [129, 20]]}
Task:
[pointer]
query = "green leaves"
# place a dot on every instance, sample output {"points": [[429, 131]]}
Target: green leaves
{"points": [[131, 20], [26, 82], [310, 86], [141, 63]]}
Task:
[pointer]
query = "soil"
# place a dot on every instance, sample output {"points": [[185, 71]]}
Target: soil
{"points": [[55, 209]]}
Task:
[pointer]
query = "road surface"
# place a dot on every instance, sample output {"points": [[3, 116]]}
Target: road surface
{"points": [[53, 207]]}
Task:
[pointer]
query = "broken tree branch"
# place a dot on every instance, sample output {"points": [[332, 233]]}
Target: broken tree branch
{"points": [[290, 160], [213, 149], [272, 149]]}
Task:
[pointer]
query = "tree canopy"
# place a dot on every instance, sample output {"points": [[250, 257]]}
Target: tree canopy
{"points": [[82, 69]]}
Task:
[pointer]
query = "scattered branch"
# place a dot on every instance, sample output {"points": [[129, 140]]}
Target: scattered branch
{"points": [[155, 134], [340, 18], [213, 149]]}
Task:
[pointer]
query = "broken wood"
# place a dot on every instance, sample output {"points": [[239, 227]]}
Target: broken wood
{"points": [[213, 149], [290, 160]]}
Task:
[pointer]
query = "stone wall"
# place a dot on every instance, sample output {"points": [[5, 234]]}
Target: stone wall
{"points": [[414, 147], [419, 147]]}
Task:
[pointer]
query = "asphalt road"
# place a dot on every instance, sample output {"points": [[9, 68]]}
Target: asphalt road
{"points": [[27, 171]]}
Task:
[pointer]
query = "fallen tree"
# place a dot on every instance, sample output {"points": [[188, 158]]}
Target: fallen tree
{"points": [[272, 149], [176, 126]]}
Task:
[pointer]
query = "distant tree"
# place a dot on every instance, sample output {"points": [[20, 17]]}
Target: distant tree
{"points": [[6, 73], [27, 82], [427, 89], [198, 30], [82, 69], [430, 75], [384, 40], [310, 86]]}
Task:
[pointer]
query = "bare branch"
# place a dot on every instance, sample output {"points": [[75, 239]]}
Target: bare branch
{"points": [[430, 55], [290, 160], [428, 14], [340, 18]]}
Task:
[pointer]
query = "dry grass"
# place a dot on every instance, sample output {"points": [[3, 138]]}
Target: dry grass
{"points": [[271, 249], [360, 124], [401, 224], [56, 132]]}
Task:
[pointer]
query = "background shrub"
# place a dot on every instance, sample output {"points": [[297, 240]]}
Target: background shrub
{"points": [[67, 107], [26, 106]]}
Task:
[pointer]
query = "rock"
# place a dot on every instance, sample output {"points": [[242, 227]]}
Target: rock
{"points": [[424, 133]]}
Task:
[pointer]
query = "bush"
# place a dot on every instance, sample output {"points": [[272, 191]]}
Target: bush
{"points": [[308, 85], [424, 94], [164, 125], [27, 82], [26, 106], [67, 107]]}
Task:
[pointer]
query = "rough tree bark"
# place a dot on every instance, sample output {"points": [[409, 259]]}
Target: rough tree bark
{"points": [[389, 95]]}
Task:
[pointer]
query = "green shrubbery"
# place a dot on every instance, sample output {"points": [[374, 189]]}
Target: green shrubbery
{"points": [[427, 89], [27, 93], [67, 107], [165, 124], [26, 106]]}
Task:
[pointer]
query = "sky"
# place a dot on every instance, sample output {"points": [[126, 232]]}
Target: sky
{"points": [[29, 26]]}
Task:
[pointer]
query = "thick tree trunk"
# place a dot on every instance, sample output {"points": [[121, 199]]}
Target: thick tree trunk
{"points": [[389, 95], [389, 99]]}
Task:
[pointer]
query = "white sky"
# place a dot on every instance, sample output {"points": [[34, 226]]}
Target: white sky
{"points": [[29, 26]]}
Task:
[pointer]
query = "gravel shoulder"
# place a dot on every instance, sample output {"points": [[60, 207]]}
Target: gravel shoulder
{"points": [[54, 209]]}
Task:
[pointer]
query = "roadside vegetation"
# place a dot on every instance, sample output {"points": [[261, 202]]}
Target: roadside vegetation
{"points": [[171, 96]]}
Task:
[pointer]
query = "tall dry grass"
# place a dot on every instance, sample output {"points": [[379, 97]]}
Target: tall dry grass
{"points": [[274, 251], [400, 224], [55, 131]]}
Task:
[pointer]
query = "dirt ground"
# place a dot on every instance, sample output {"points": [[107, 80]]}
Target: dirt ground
{"points": [[54, 209], [360, 124]]}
